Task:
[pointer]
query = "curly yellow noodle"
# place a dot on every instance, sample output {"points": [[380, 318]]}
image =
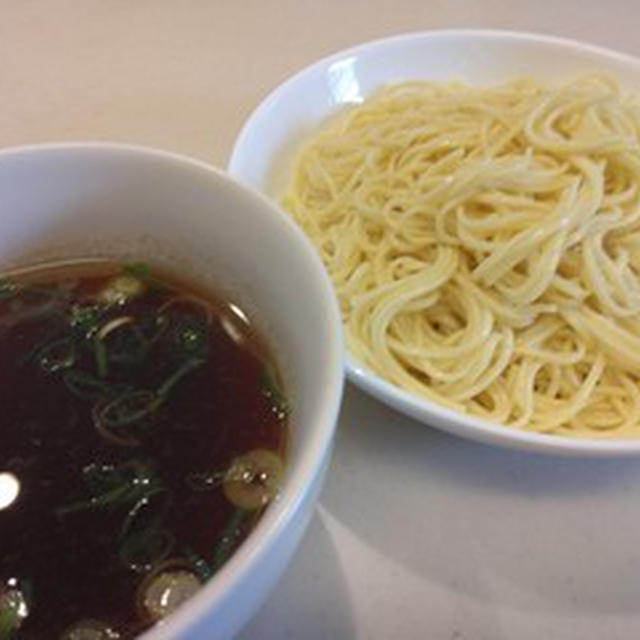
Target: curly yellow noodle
{"points": [[484, 244]]}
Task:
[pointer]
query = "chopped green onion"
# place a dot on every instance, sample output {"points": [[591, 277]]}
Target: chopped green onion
{"points": [[121, 289], [113, 325], [91, 630], [119, 340], [85, 318], [58, 355], [113, 487], [9, 622], [112, 497], [84, 385], [165, 590], [7, 288], [129, 346], [160, 324], [142, 550], [34, 351], [33, 302], [205, 480], [130, 407], [134, 406], [13, 610], [229, 538], [200, 565], [148, 512], [273, 392], [253, 479], [102, 364], [191, 336], [183, 370], [104, 477], [137, 269]]}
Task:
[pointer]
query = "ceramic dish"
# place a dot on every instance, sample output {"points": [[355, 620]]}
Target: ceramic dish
{"points": [[81, 200], [262, 157]]}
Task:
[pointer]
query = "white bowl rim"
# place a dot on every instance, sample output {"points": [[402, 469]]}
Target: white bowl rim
{"points": [[406, 38], [421, 409], [277, 517]]}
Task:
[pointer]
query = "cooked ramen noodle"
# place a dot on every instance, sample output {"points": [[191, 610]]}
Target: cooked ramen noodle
{"points": [[485, 246]]}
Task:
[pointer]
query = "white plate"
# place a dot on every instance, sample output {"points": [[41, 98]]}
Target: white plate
{"points": [[264, 150]]}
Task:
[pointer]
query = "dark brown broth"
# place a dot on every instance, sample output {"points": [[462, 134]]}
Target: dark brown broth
{"points": [[69, 561]]}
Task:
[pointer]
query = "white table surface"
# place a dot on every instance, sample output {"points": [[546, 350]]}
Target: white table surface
{"points": [[418, 534]]}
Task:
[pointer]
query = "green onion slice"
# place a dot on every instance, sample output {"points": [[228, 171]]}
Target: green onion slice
{"points": [[57, 355], [84, 385], [253, 480], [163, 591], [273, 392], [7, 288], [230, 538], [142, 550], [91, 630], [13, 610]]}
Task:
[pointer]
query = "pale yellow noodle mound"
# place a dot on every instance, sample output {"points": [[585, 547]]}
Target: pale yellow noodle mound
{"points": [[485, 246]]}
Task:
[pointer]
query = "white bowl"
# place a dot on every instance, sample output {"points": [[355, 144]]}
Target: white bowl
{"points": [[62, 201], [264, 151]]}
